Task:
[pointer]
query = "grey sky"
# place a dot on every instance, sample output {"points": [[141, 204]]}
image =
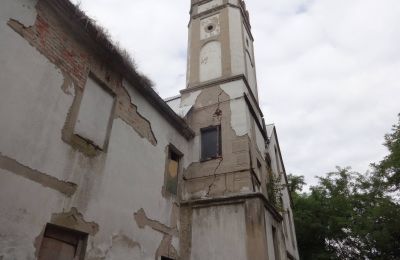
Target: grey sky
{"points": [[328, 70]]}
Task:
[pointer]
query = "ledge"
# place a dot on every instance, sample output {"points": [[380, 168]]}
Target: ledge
{"points": [[238, 199]]}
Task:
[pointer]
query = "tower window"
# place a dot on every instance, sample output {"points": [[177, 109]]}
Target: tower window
{"points": [[210, 143]]}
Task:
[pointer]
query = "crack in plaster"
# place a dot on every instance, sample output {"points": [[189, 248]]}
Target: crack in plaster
{"points": [[217, 113], [11, 165]]}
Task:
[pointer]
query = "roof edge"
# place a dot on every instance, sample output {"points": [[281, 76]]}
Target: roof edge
{"points": [[92, 35]]}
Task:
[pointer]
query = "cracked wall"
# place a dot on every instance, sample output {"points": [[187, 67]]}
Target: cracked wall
{"points": [[232, 173], [44, 171]]}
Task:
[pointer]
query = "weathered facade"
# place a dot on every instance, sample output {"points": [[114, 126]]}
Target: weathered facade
{"points": [[95, 165]]}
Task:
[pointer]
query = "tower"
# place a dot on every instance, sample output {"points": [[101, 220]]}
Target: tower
{"points": [[225, 209]]}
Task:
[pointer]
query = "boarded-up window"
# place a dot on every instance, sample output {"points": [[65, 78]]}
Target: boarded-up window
{"points": [[210, 143], [93, 122], [62, 244], [171, 180]]}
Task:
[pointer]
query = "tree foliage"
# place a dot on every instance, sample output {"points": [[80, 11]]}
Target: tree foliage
{"points": [[346, 216], [389, 167], [349, 215]]}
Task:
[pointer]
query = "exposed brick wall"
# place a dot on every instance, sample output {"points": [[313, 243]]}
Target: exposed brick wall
{"points": [[60, 45], [49, 37]]}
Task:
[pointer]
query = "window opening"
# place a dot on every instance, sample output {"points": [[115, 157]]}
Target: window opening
{"points": [[210, 143], [172, 172], [62, 243]]}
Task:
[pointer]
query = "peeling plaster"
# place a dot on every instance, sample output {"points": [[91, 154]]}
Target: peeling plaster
{"points": [[165, 248], [142, 221], [22, 10], [239, 116], [44, 179], [68, 85], [128, 112], [74, 220]]}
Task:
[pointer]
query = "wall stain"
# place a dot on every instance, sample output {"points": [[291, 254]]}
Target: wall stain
{"points": [[96, 253]]}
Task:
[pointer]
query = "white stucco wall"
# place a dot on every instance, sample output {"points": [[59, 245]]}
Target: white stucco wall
{"points": [[219, 233], [251, 75], [236, 42], [214, 21], [240, 114], [250, 61], [111, 186], [209, 5], [94, 113], [210, 61]]}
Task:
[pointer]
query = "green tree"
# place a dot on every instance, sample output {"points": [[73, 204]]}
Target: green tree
{"points": [[389, 167], [295, 183], [346, 216]]}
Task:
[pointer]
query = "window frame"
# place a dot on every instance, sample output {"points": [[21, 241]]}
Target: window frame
{"points": [[218, 145], [172, 149], [101, 147], [56, 232]]}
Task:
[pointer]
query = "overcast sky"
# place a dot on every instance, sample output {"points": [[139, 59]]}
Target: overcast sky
{"points": [[328, 70]]}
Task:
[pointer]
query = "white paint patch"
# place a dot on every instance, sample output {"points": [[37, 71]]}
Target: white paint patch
{"points": [[234, 89], [94, 113], [240, 115], [210, 27], [236, 42], [189, 99], [210, 61], [219, 233], [21, 10], [209, 5]]}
